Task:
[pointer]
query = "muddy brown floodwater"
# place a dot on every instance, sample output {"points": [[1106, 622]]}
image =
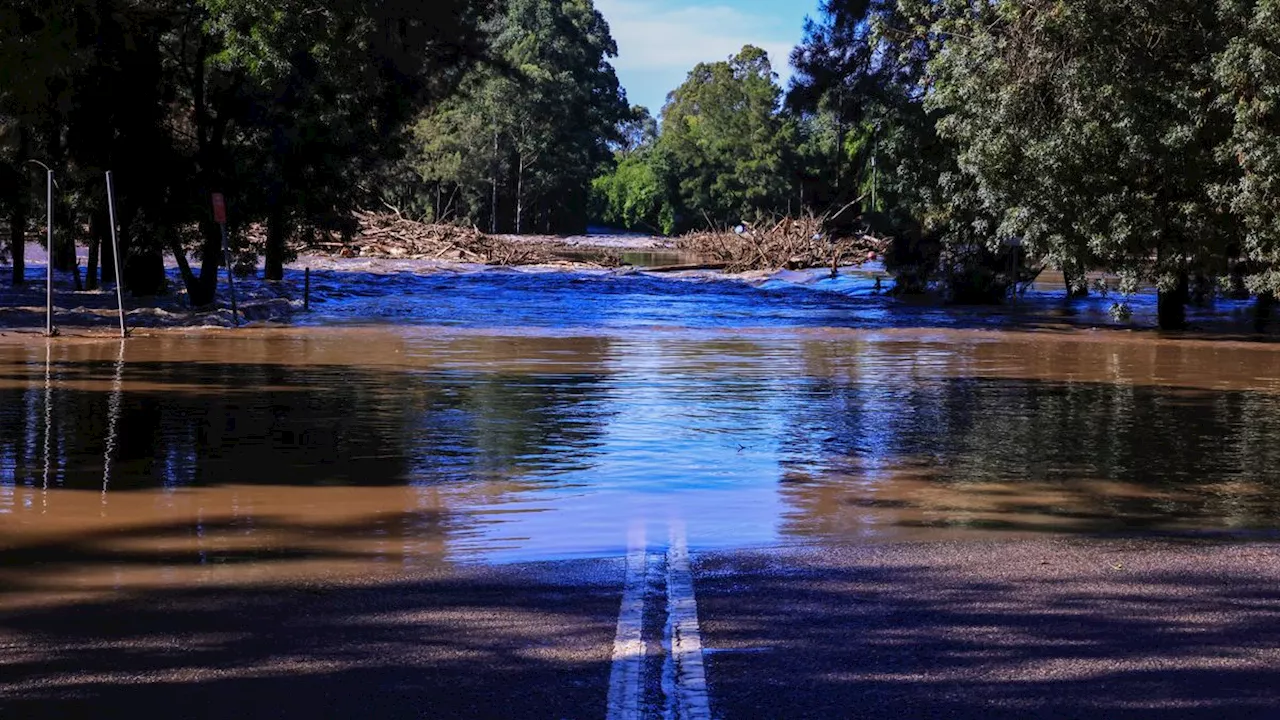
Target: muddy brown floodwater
{"points": [[289, 454]]}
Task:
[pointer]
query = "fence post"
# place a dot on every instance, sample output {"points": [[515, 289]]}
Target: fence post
{"points": [[220, 217], [115, 252], [48, 273]]}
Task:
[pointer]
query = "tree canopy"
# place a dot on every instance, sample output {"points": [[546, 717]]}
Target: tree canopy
{"points": [[281, 108], [517, 148], [1138, 137]]}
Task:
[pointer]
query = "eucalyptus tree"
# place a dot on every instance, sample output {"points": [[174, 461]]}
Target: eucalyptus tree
{"points": [[517, 147], [725, 146]]}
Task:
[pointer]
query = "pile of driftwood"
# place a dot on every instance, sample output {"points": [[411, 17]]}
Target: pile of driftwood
{"points": [[790, 243], [387, 235]]}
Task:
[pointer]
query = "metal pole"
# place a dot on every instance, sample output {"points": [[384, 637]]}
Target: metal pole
{"points": [[48, 321], [231, 280], [115, 251]]}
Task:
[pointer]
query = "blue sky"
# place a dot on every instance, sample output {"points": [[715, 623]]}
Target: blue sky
{"points": [[659, 41]]}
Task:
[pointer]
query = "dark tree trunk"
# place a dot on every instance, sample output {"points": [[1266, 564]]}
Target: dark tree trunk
{"points": [[18, 240], [493, 201], [1070, 279], [203, 290], [1171, 306], [21, 205], [274, 260], [125, 213], [144, 274], [63, 251], [98, 229], [1262, 311], [107, 260]]}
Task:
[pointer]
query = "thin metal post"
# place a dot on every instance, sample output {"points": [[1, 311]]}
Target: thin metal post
{"points": [[231, 279], [115, 251], [306, 292], [48, 321]]}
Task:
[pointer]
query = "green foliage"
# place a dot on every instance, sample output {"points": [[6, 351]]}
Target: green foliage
{"points": [[1130, 135], [1088, 128], [724, 145], [286, 108], [637, 131], [726, 153], [1248, 73], [517, 148], [633, 196]]}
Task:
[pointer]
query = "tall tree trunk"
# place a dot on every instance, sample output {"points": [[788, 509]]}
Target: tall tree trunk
{"points": [[21, 206], [1171, 305], [63, 252], [493, 203], [107, 253], [189, 278], [274, 260], [1070, 280], [1262, 311], [520, 195], [839, 157], [202, 290], [98, 222], [144, 273], [18, 239]]}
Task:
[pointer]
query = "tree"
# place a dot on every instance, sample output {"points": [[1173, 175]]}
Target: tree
{"points": [[284, 109], [632, 195], [637, 131], [518, 146], [1087, 129], [325, 94], [1248, 72], [862, 73], [38, 52], [725, 145]]}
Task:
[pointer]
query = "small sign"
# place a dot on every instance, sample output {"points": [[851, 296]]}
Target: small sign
{"points": [[219, 209]]}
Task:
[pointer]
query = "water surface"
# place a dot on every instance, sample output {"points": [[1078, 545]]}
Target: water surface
{"points": [[494, 417]]}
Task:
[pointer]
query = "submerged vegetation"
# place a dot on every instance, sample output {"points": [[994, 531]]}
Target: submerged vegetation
{"points": [[973, 140]]}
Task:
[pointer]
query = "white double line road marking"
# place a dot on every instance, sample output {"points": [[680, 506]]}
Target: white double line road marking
{"points": [[684, 681], [626, 696]]}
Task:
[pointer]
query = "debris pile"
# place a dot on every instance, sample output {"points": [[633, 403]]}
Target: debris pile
{"points": [[387, 235], [790, 243]]}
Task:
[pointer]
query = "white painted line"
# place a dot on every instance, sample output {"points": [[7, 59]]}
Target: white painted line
{"points": [[626, 696], [684, 679]]}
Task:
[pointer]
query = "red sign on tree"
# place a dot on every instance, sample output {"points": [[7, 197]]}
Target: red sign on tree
{"points": [[219, 209]]}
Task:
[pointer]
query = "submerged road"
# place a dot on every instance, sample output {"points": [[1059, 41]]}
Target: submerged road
{"points": [[1068, 628]]}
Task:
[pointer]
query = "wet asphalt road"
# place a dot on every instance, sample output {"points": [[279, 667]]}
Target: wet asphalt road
{"points": [[1016, 629], [1039, 629]]}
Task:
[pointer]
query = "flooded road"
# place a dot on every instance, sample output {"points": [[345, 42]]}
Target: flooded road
{"points": [[438, 433], [556, 495]]}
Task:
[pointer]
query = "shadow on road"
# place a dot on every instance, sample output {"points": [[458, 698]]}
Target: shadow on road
{"points": [[1069, 629]]}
